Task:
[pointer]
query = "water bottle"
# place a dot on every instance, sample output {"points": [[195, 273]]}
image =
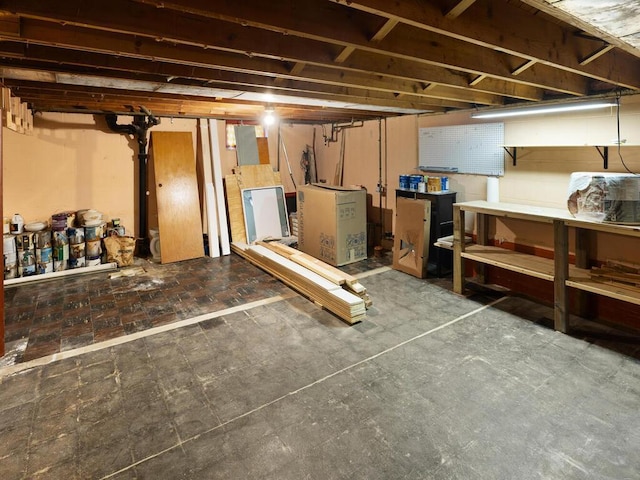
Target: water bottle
{"points": [[17, 223]]}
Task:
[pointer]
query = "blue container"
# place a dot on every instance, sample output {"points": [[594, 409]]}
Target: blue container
{"points": [[404, 181], [444, 183], [414, 181]]}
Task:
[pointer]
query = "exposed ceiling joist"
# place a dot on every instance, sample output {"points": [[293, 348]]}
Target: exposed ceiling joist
{"points": [[371, 57]]}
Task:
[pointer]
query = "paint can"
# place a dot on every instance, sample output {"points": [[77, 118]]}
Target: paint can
{"points": [[42, 239], [44, 260], [404, 181], [94, 232], [44, 255], [59, 221], [93, 263], [94, 249], [77, 255], [10, 266], [24, 241], [9, 244], [116, 232], [414, 181], [60, 251], [26, 263], [75, 235]]}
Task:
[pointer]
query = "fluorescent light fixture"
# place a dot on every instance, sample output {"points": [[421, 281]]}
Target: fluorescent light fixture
{"points": [[544, 109]]}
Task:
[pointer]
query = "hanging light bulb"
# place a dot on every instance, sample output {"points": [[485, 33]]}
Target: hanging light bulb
{"points": [[269, 116]]}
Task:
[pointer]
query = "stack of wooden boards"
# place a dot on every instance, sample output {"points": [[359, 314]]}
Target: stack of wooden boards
{"points": [[621, 274], [17, 116], [327, 286]]}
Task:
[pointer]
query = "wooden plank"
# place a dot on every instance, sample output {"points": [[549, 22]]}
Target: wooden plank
{"points": [[538, 267], [252, 176], [582, 253], [317, 266], [209, 190], [561, 268], [458, 249], [580, 279], [344, 304], [179, 221], [216, 164], [513, 210], [234, 206], [263, 150], [247, 176]]}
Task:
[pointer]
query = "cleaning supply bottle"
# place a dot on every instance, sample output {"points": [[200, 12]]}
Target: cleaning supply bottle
{"points": [[17, 223]]}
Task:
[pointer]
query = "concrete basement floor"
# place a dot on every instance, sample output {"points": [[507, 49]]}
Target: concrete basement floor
{"points": [[263, 384]]}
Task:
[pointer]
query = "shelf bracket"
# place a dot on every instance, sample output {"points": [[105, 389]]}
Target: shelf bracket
{"points": [[513, 155], [604, 153]]}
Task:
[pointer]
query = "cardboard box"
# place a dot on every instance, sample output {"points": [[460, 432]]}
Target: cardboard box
{"points": [[332, 223], [411, 241]]}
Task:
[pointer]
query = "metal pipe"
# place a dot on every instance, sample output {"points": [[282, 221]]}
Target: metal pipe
{"points": [[138, 128]]}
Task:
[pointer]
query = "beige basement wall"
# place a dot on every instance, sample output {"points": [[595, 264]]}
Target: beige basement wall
{"points": [[73, 162], [550, 148]]}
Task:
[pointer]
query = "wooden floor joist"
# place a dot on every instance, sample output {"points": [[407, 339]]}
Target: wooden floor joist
{"points": [[346, 305]]}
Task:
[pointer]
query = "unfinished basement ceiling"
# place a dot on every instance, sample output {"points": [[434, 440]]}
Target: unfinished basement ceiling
{"points": [[315, 60]]}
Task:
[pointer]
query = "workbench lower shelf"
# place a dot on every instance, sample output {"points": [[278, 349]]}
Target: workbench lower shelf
{"points": [[580, 279], [511, 260]]}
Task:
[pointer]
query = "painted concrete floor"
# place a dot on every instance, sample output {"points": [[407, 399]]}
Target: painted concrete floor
{"points": [[431, 386]]}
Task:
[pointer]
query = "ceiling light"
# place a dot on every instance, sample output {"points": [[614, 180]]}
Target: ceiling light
{"points": [[269, 116], [544, 109]]}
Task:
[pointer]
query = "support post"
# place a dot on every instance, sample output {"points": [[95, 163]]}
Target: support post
{"points": [[561, 269]]}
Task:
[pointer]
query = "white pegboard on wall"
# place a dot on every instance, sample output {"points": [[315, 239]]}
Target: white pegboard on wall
{"points": [[476, 149]]}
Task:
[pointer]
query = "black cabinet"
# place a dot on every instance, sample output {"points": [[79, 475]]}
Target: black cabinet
{"points": [[440, 260]]}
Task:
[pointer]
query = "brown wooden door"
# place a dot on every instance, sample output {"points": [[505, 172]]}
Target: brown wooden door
{"points": [[176, 185]]}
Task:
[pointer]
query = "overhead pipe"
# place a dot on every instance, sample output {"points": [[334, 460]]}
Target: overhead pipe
{"points": [[138, 129]]}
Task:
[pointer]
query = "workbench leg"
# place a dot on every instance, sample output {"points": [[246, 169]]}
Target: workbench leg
{"points": [[561, 270], [583, 250], [482, 238], [458, 248]]}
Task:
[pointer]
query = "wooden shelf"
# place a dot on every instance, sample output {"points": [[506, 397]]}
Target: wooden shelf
{"points": [[512, 210], [579, 278], [616, 229], [531, 265]]}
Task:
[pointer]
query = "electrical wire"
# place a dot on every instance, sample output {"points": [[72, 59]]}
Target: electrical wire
{"points": [[619, 140]]}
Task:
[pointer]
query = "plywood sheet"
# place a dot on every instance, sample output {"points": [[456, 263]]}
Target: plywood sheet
{"points": [[263, 150], [411, 240], [246, 145], [179, 220], [247, 176]]}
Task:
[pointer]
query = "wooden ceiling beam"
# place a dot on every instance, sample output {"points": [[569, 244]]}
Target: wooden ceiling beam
{"points": [[323, 79], [389, 25], [162, 24], [128, 52], [505, 27], [458, 9]]}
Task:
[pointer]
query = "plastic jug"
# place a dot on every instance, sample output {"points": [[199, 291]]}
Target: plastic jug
{"points": [[17, 223]]}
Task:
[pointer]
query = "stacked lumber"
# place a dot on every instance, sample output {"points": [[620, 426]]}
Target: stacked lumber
{"points": [[17, 116], [327, 293], [329, 272], [622, 274]]}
